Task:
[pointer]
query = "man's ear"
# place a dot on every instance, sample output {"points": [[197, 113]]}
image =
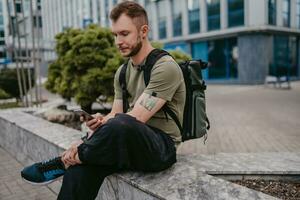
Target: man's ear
{"points": [[144, 31]]}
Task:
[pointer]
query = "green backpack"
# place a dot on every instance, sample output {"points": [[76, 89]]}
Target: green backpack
{"points": [[195, 121]]}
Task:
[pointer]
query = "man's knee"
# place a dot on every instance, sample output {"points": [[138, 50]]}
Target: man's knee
{"points": [[121, 124]]}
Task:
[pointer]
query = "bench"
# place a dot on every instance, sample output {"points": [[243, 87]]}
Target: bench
{"points": [[278, 81]]}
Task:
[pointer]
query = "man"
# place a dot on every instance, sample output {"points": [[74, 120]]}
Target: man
{"points": [[141, 139]]}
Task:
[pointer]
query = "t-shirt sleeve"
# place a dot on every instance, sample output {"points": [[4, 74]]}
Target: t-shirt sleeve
{"points": [[164, 80], [117, 87]]}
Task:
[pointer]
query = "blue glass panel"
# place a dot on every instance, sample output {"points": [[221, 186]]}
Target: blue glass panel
{"points": [[200, 51], [272, 12], [235, 13], [213, 14], [162, 29], [194, 21]]}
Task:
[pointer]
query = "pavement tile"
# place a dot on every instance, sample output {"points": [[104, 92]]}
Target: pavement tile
{"points": [[12, 187]]}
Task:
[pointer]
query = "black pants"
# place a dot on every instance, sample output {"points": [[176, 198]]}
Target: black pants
{"points": [[122, 143]]}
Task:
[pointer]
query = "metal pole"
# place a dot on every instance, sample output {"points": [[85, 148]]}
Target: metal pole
{"points": [[20, 54], [39, 33], [15, 52], [33, 55], [27, 56]]}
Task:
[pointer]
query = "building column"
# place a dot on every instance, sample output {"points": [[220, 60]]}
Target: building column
{"points": [[154, 25], [110, 6], [185, 19], [102, 13], [256, 12], [224, 14], [247, 12], [169, 19], [293, 14], [279, 8], [95, 11], [203, 16], [255, 54]]}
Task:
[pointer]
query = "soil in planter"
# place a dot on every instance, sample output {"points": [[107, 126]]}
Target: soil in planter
{"points": [[280, 189]]}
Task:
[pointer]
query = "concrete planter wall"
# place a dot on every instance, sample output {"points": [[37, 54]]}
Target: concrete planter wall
{"points": [[32, 139]]}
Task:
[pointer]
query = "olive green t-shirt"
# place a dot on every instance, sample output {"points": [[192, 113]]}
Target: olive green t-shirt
{"points": [[167, 82]]}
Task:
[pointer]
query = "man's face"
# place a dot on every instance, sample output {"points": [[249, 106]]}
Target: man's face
{"points": [[127, 37]]}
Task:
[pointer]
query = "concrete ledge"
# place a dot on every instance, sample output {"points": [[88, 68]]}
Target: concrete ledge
{"points": [[32, 139]]}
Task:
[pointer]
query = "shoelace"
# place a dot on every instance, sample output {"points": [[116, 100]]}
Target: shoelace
{"points": [[52, 164]]}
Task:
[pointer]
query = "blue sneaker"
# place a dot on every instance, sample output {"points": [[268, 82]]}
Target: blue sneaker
{"points": [[45, 172]]}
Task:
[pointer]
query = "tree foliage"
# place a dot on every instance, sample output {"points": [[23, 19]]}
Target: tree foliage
{"points": [[85, 66], [3, 94]]}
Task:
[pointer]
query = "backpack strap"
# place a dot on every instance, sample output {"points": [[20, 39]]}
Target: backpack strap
{"points": [[152, 58], [125, 93]]}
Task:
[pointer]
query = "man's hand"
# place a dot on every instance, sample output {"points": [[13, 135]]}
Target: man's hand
{"points": [[94, 123], [70, 156]]}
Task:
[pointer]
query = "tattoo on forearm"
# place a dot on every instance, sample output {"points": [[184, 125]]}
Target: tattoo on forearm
{"points": [[148, 103]]}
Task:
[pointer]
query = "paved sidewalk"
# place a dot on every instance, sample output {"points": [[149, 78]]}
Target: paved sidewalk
{"points": [[245, 119], [12, 187], [250, 119]]}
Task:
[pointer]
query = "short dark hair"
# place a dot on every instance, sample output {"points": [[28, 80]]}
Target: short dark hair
{"points": [[133, 10]]}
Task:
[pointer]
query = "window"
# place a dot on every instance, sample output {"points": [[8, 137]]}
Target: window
{"points": [[1, 19], [272, 12], [37, 20], [2, 33], [2, 54], [223, 57], [39, 7], [213, 14], [177, 16], [194, 16], [298, 13], [286, 13], [162, 19], [235, 13], [285, 56], [18, 8]]}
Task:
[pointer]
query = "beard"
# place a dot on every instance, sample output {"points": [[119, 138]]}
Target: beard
{"points": [[136, 48]]}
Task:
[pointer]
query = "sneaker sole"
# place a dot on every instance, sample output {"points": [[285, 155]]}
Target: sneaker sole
{"points": [[43, 183]]}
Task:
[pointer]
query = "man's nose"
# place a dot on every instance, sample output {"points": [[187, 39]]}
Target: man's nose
{"points": [[118, 41]]}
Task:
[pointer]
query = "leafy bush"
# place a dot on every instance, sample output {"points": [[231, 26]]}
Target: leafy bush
{"points": [[85, 67], [3, 94]]}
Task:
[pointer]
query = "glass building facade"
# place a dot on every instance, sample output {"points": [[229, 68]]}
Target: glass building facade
{"points": [[223, 32], [285, 62], [272, 12], [286, 13], [162, 19], [235, 13], [194, 16], [298, 14], [213, 14], [177, 7]]}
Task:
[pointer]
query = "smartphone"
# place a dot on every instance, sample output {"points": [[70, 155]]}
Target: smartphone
{"points": [[86, 115]]}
